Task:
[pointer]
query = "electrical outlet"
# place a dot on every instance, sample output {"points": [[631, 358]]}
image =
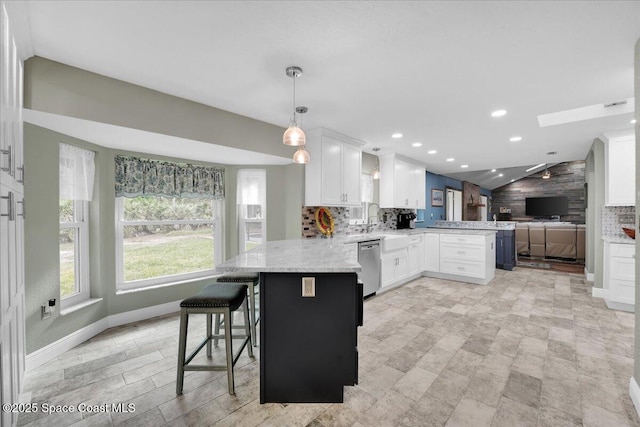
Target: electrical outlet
{"points": [[308, 286]]}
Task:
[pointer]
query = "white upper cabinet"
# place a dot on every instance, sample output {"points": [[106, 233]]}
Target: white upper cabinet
{"points": [[332, 177], [620, 170], [402, 183]]}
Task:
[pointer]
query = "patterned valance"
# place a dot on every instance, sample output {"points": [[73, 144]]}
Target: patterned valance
{"points": [[142, 177]]}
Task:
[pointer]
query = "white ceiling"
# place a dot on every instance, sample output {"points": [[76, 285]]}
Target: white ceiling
{"points": [[431, 70]]}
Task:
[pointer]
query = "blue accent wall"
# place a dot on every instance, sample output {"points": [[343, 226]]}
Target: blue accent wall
{"points": [[428, 216]]}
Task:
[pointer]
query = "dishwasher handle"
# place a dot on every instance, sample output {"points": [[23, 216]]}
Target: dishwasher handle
{"points": [[368, 247]]}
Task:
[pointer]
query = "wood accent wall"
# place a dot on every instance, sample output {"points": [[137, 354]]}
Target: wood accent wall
{"points": [[470, 197], [567, 179]]}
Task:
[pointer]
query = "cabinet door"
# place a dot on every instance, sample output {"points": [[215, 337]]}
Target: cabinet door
{"points": [[402, 265], [332, 193], [401, 186], [414, 256], [432, 252], [620, 176], [499, 249], [351, 160], [387, 269], [420, 179]]}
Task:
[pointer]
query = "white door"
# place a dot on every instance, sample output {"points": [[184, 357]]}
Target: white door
{"points": [[482, 211], [454, 205], [432, 252], [402, 175]]}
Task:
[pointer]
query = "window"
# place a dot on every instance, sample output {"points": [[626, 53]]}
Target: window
{"points": [[252, 208], [360, 214], [166, 239], [76, 169], [74, 252], [168, 221]]}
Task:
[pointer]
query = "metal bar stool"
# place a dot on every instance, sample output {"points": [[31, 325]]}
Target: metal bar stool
{"points": [[219, 299], [252, 281]]}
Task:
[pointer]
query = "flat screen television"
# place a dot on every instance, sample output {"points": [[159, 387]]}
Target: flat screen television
{"points": [[546, 206]]}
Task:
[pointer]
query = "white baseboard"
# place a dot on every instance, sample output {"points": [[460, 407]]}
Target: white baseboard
{"points": [[622, 306], [599, 292], [53, 350], [634, 393], [589, 276], [143, 313]]}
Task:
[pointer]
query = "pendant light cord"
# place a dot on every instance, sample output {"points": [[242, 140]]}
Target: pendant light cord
{"points": [[294, 99]]}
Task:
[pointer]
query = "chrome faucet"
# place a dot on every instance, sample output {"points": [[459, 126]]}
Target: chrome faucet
{"points": [[369, 218]]}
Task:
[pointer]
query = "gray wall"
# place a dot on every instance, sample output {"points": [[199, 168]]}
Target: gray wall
{"points": [[594, 177], [61, 89]]}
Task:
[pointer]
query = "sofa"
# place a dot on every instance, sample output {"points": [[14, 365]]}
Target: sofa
{"points": [[560, 240]]}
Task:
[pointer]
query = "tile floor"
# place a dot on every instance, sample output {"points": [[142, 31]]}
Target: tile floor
{"points": [[532, 348]]}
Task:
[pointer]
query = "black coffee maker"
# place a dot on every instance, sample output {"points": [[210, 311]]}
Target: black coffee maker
{"points": [[406, 220]]}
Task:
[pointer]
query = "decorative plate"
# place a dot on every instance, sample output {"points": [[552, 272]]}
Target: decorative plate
{"points": [[629, 232], [324, 221]]}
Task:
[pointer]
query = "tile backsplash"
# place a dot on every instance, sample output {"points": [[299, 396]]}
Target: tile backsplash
{"points": [[341, 221], [616, 217]]}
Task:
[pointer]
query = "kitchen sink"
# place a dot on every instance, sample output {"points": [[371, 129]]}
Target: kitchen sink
{"points": [[392, 242]]}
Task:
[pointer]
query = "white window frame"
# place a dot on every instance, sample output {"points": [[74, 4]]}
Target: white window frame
{"points": [[242, 210], [218, 239], [367, 195], [80, 225]]}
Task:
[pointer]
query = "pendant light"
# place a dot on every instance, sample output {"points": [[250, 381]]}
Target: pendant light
{"points": [[294, 136], [376, 171], [546, 174], [301, 156]]}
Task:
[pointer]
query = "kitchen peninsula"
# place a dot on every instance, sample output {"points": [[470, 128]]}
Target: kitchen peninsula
{"points": [[310, 308]]}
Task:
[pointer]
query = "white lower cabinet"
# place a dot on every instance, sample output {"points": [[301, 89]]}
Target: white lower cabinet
{"points": [[394, 267], [620, 275], [432, 252], [415, 257]]}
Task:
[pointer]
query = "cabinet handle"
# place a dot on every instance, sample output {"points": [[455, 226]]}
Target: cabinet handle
{"points": [[10, 211], [7, 153], [461, 268], [346, 197], [461, 252], [21, 169]]}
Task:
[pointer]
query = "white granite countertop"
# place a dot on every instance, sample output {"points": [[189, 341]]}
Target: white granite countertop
{"points": [[295, 256], [476, 225], [619, 239], [476, 232]]}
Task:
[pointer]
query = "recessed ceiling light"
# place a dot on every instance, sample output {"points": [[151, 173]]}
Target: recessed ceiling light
{"points": [[515, 139], [501, 174], [417, 144], [493, 170], [450, 159], [432, 152], [396, 135], [535, 167], [512, 180], [633, 122], [464, 166], [498, 113]]}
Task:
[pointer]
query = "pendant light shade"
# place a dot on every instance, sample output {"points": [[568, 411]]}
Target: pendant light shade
{"points": [[301, 156], [376, 171], [294, 136]]}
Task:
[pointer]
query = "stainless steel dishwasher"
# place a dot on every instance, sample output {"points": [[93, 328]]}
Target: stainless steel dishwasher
{"points": [[369, 259]]}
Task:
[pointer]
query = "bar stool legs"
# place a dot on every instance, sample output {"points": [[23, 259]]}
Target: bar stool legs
{"points": [[210, 302]]}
